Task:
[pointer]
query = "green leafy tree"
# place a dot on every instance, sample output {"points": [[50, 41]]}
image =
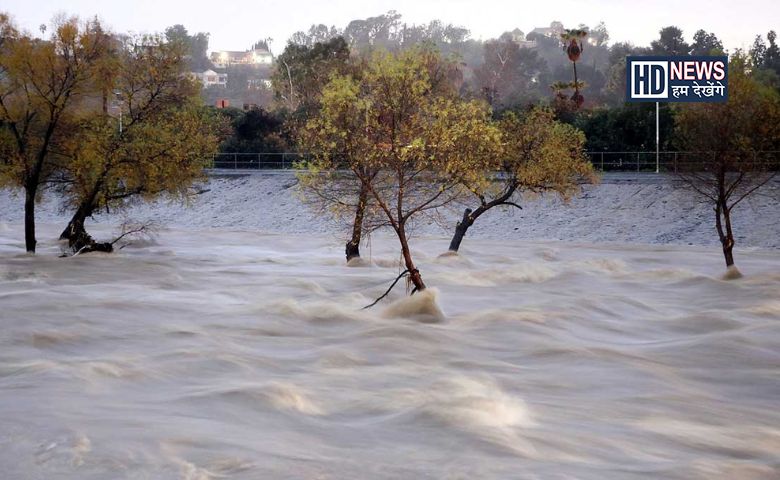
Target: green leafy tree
{"points": [[196, 46], [706, 44], [766, 57], [670, 42], [302, 72], [42, 84], [538, 154], [614, 91], [382, 31], [758, 52], [626, 128], [509, 74], [418, 144], [772, 57], [254, 130], [160, 148], [338, 177], [316, 34], [348, 194]]}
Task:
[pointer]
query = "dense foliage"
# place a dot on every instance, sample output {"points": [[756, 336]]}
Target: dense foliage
{"points": [[103, 117]]}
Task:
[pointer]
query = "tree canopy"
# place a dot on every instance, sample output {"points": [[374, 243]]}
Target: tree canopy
{"points": [[43, 83], [162, 144], [415, 142]]}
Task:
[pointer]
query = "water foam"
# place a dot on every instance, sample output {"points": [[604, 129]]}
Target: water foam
{"points": [[480, 407], [318, 311], [286, 396], [421, 306], [358, 262], [770, 308], [520, 273], [453, 258], [732, 273]]}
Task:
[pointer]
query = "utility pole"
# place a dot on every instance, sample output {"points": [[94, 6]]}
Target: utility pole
{"points": [[657, 142], [119, 101]]}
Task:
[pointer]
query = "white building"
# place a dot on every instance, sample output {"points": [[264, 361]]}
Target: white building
{"points": [[553, 31], [210, 78], [256, 56]]}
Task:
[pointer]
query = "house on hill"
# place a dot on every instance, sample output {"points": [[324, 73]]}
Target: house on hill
{"points": [[210, 78], [553, 31], [256, 56], [519, 38]]}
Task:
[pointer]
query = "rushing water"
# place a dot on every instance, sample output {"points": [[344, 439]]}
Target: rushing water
{"points": [[211, 355]]}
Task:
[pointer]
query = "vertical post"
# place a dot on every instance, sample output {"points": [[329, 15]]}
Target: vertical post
{"points": [[118, 101], [637, 161], [235, 161], [602, 161], [657, 141]]}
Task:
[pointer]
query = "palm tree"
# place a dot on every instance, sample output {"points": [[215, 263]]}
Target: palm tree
{"points": [[559, 89], [572, 45], [562, 104]]}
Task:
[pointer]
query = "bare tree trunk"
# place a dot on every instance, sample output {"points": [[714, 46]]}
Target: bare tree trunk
{"points": [[82, 242], [723, 213], [729, 246], [76, 223], [79, 241], [470, 216], [32, 182], [353, 246], [414, 274], [576, 83], [460, 230], [29, 216], [725, 234]]}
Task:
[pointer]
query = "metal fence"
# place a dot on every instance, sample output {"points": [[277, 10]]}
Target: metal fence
{"points": [[670, 162], [664, 162], [257, 161]]}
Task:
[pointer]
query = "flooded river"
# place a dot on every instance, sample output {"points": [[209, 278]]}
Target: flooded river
{"points": [[215, 354]]}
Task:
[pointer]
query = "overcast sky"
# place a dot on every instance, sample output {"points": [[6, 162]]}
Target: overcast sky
{"points": [[235, 25]]}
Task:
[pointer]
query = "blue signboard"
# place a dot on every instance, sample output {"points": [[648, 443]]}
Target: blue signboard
{"points": [[677, 79]]}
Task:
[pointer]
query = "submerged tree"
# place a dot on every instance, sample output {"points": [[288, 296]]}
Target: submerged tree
{"points": [[42, 83], [339, 179], [419, 144], [160, 147], [539, 155], [337, 174], [736, 144]]}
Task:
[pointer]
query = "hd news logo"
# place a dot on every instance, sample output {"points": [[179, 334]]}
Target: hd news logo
{"points": [[677, 79]]}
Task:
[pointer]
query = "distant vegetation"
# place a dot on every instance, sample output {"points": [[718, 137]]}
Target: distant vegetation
{"points": [[511, 72]]}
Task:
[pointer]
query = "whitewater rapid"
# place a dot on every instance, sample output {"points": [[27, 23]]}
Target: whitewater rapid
{"points": [[212, 354]]}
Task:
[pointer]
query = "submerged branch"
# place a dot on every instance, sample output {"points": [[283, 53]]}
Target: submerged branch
{"points": [[403, 274]]}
